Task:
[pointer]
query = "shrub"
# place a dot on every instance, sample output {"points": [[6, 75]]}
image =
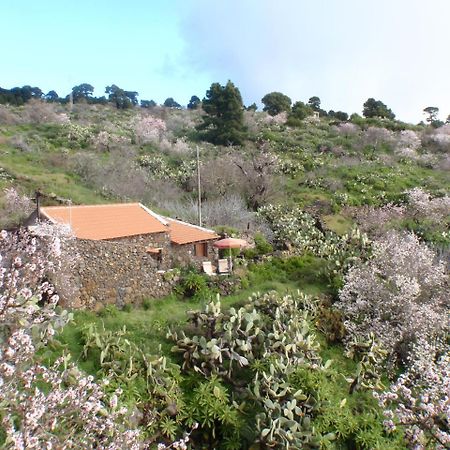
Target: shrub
{"points": [[109, 311], [192, 284], [399, 295], [147, 303], [261, 245]]}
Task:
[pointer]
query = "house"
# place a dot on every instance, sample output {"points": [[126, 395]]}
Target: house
{"points": [[175, 240], [123, 251]]}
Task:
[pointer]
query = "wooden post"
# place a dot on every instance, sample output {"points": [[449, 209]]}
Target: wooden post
{"points": [[199, 192], [38, 205]]}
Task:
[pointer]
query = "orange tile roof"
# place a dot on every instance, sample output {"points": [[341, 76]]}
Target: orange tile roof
{"points": [[185, 233], [98, 222]]}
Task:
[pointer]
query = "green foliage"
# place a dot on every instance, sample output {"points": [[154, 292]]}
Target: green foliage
{"points": [[223, 123], [299, 112], [144, 378], [276, 102], [194, 102], [376, 108], [109, 311], [432, 112], [370, 355], [148, 103], [261, 245], [82, 91], [171, 103], [147, 303], [219, 418], [127, 308], [120, 98], [192, 284]]}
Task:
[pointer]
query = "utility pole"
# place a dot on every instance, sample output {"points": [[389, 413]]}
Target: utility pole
{"points": [[199, 192]]}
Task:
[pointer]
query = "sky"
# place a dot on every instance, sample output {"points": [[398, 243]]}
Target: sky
{"points": [[343, 51]]}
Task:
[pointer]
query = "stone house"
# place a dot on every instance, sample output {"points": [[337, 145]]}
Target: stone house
{"points": [[124, 252]]}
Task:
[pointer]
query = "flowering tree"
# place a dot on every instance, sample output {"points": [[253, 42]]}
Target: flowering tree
{"points": [[399, 295], [421, 204], [420, 399], [46, 407], [149, 129]]}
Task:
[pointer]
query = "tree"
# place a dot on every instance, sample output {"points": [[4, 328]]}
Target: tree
{"points": [[399, 295], [314, 103], [418, 400], [171, 103], [82, 91], [299, 112], [376, 108], [122, 99], [276, 102], [339, 115], [132, 95], [432, 112], [148, 103], [194, 102], [223, 123], [252, 107], [448, 119], [51, 96], [54, 406]]}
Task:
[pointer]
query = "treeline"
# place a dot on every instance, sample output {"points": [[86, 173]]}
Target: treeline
{"points": [[274, 102], [121, 98]]}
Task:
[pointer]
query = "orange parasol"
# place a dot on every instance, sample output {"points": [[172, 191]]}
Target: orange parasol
{"points": [[230, 243]]}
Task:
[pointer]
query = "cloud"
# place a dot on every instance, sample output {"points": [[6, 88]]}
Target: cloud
{"points": [[343, 51]]}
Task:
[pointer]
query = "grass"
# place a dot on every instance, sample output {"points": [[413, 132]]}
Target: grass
{"points": [[338, 223], [31, 171], [148, 326]]}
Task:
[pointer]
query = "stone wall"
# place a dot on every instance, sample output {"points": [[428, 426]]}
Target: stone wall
{"points": [[120, 271], [111, 272], [183, 255]]}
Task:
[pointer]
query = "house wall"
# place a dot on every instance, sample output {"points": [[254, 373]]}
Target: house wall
{"points": [[102, 273], [183, 255], [119, 271], [142, 241]]}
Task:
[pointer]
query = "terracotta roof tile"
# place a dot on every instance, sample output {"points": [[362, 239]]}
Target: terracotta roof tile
{"points": [[185, 233], [98, 222]]}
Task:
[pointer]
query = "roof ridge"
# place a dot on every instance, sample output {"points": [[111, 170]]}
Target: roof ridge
{"points": [[90, 206], [190, 224], [154, 215]]}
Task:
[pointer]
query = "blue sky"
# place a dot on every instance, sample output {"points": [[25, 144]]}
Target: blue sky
{"points": [[343, 51]]}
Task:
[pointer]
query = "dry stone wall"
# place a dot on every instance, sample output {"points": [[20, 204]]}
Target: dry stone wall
{"points": [[112, 272]]}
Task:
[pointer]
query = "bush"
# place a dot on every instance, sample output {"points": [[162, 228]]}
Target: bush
{"points": [[109, 311], [261, 245], [192, 284], [147, 303]]}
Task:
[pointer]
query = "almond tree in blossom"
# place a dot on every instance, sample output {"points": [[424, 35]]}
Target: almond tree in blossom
{"points": [[400, 295], [46, 407]]}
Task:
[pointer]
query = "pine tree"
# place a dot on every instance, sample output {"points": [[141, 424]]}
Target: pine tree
{"points": [[223, 123]]}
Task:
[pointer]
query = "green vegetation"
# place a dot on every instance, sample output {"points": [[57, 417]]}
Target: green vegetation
{"points": [[256, 358]]}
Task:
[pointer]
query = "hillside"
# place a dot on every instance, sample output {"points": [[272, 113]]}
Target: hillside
{"points": [[332, 169], [330, 333]]}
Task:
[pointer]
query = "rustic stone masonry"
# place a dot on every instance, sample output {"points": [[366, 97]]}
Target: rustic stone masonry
{"points": [[121, 271], [111, 273], [183, 255]]}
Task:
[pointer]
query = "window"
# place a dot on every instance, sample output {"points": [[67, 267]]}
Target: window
{"points": [[201, 249]]}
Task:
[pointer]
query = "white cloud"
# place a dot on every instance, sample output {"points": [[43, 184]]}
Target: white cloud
{"points": [[343, 51]]}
